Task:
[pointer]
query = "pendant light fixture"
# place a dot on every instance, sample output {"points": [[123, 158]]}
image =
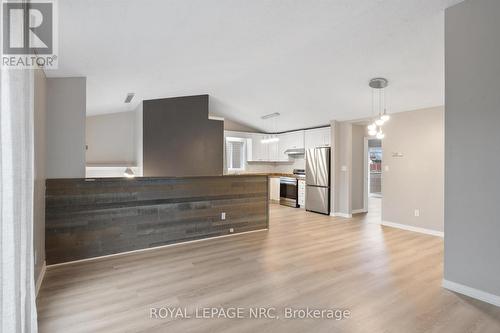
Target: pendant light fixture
{"points": [[271, 137], [375, 128]]}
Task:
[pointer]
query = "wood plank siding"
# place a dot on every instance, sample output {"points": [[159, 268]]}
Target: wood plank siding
{"points": [[88, 218]]}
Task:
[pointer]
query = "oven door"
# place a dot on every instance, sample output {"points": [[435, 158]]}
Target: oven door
{"points": [[289, 192]]}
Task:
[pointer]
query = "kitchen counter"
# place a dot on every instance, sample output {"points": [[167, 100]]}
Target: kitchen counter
{"points": [[272, 175]]}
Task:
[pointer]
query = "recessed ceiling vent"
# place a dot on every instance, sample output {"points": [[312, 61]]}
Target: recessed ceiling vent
{"points": [[129, 97]]}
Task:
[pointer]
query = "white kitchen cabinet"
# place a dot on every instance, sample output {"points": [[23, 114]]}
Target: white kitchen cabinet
{"points": [[274, 189], [302, 193], [273, 151], [256, 150], [291, 140], [318, 137], [283, 145]]}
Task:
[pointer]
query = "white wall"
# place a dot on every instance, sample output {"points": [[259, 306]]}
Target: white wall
{"points": [[114, 143], [358, 171], [472, 120], [110, 138], [341, 168], [415, 180], [230, 125], [40, 114], [65, 127]]}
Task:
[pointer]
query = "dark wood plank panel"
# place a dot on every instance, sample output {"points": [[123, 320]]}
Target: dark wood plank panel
{"points": [[88, 218]]}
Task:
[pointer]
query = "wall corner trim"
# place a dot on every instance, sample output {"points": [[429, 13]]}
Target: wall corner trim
{"points": [[414, 229], [347, 216], [471, 292], [39, 281]]}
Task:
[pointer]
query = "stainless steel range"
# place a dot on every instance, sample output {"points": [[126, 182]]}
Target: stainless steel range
{"points": [[289, 189]]}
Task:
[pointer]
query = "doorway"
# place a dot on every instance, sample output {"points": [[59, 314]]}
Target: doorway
{"points": [[373, 178]]}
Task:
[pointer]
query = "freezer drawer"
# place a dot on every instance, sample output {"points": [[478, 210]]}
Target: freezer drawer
{"points": [[318, 199]]}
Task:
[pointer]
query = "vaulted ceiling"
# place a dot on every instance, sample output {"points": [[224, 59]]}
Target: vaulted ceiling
{"points": [[309, 60]]}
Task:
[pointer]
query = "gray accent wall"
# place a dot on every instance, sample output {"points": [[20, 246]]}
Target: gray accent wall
{"points": [[65, 127], [180, 140], [472, 182]]}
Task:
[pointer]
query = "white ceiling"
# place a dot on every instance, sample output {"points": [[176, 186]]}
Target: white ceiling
{"points": [[309, 60]]}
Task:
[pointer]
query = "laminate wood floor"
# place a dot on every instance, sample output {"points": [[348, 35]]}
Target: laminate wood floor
{"points": [[389, 280]]}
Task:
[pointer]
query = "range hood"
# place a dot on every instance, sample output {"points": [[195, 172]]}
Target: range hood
{"points": [[295, 151]]}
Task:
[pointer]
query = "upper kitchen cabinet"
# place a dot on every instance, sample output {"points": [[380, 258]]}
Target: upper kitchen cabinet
{"points": [[289, 141], [278, 151], [257, 151], [318, 137]]}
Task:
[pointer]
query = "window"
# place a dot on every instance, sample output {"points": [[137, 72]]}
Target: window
{"points": [[235, 148]]}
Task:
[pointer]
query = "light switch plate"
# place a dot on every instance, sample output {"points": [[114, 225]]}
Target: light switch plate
{"points": [[417, 212], [386, 168], [223, 216]]}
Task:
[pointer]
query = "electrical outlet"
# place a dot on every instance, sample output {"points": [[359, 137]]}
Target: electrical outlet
{"points": [[231, 230], [386, 168], [417, 212], [223, 216]]}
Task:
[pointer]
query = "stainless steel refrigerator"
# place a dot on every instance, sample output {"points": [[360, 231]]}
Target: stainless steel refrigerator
{"points": [[318, 180]]}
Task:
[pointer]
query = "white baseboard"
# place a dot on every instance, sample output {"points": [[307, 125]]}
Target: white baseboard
{"points": [[472, 292], [414, 229], [347, 216], [359, 211], [155, 248], [39, 281]]}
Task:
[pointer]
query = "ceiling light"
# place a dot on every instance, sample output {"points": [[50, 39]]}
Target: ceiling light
{"points": [[378, 84], [271, 115], [272, 137], [385, 117]]}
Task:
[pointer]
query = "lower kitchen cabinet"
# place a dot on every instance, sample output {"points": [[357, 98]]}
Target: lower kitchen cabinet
{"points": [[302, 193], [274, 189]]}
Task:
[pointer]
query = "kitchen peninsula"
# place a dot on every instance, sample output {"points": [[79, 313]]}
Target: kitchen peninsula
{"points": [[88, 218]]}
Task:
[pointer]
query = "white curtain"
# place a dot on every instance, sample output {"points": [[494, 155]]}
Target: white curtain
{"points": [[17, 294]]}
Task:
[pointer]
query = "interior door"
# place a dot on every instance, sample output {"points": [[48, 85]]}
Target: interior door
{"points": [[322, 166], [311, 167]]}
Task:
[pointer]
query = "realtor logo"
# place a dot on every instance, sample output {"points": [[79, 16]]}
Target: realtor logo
{"points": [[29, 38]]}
